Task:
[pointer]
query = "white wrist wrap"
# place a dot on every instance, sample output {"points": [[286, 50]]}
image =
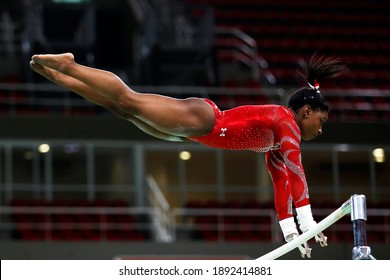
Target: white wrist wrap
{"points": [[288, 227], [305, 218]]}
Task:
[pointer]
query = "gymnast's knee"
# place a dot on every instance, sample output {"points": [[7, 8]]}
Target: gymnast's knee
{"points": [[127, 101]]}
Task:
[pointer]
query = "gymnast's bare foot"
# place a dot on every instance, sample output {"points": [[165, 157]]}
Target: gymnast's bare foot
{"points": [[52, 75], [49, 74], [58, 62]]}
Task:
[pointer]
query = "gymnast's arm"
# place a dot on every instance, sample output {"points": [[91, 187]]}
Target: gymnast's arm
{"points": [[291, 154], [283, 200], [282, 194]]}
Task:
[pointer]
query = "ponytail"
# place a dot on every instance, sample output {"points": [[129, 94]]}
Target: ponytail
{"points": [[318, 69]]}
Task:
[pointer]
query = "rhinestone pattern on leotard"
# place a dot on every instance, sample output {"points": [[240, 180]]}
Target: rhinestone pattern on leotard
{"points": [[271, 129]]}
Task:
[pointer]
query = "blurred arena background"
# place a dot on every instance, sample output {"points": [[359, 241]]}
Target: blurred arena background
{"points": [[78, 183]]}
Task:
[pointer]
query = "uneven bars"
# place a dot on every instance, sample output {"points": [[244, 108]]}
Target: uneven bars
{"points": [[325, 223]]}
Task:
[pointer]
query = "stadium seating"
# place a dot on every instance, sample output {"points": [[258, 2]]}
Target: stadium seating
{"points": [[288, 33], [73, 220]]}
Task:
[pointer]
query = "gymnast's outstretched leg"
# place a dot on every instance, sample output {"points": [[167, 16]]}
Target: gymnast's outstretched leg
{"points": [[175, 117], [91, 95]]}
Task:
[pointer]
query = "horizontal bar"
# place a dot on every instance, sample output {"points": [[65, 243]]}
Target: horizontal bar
{"points": [[325, 223]]}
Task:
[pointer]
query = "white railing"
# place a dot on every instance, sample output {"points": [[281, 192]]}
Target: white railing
{"points": [[160, 218]]}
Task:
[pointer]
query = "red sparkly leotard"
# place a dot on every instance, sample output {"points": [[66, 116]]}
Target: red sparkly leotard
{"points": [[265, 128]]}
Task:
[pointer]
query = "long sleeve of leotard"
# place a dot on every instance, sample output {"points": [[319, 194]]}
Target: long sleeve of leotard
{"points": [[286, 170]]}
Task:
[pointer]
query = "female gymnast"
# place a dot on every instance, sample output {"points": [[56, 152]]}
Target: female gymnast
{"points": [[274, 129]]}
